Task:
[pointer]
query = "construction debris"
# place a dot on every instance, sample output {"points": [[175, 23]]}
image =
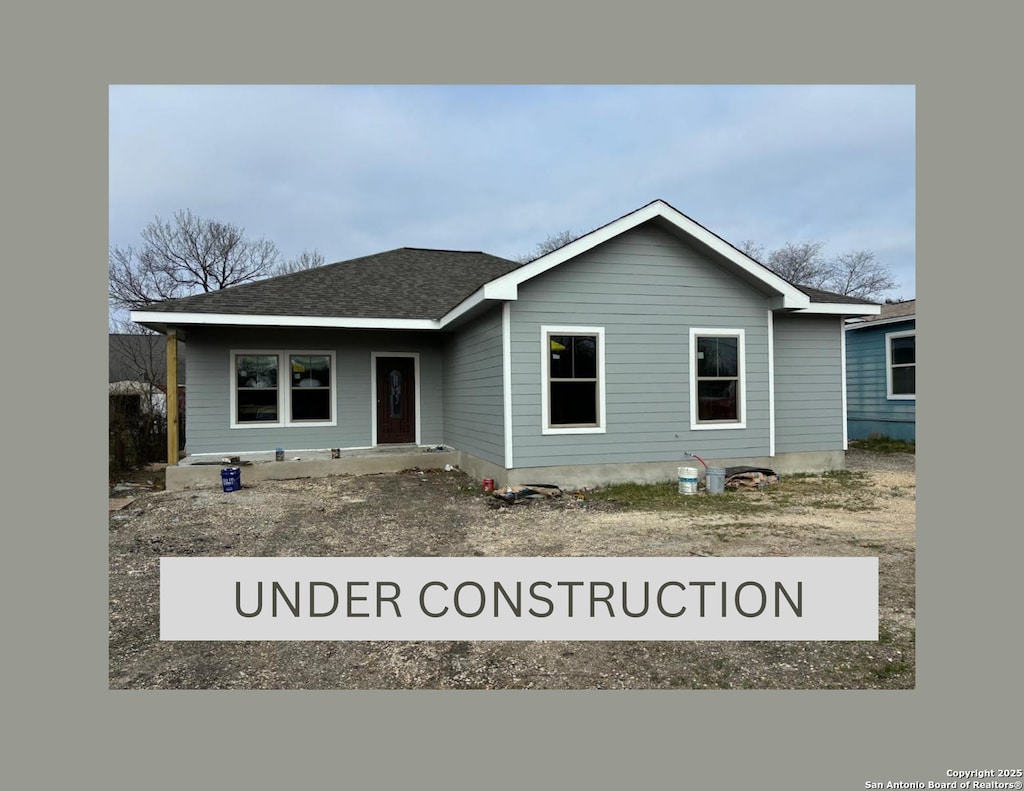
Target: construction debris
{"points": [[749, 477], [529, 491]]}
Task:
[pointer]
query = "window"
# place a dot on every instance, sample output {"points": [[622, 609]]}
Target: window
{"points": [[717, 380], [901, 365], [311, 387], [256, 388], [261, 396], [573, 394]]}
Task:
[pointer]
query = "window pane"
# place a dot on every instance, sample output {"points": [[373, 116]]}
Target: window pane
{"points": [[308, 404], [573, 403], [311, 370], [717, 401], [256, 370], [903, 350], [584, 357], [903, 380], [717, 356], [560, 355], [257, 405]]}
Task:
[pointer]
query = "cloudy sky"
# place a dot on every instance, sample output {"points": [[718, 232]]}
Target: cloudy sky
{"points": [[354, 170]]}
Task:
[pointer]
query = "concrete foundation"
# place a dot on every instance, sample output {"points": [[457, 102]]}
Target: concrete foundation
{"points": [[576, 477], [193, 473]]}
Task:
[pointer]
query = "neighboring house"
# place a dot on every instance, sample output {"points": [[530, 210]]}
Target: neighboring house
{"points": [[881, 373], [138, 371], [607, 359]]}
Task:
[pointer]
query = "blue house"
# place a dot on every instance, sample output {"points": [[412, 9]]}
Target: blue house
{"points": [[881, 363], [607, 359]]}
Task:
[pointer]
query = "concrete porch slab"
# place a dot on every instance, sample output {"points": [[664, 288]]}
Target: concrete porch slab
{"points": [[192, 474]]}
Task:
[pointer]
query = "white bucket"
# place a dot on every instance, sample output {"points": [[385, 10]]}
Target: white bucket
{"points": [[688, 480]]}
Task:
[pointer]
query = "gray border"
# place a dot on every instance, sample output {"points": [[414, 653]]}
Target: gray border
{"points": [[70, 728]]}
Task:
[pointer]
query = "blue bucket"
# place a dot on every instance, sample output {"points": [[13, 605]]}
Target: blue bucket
{"points": [[231, 479]]}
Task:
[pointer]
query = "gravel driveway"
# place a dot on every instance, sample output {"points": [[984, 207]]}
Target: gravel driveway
{"points": [[868, 512]]}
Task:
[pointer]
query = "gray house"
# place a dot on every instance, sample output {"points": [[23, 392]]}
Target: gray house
{"points": [[605, 360]]}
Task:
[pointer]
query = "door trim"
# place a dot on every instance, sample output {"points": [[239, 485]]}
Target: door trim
{"points": [[373, 391]]}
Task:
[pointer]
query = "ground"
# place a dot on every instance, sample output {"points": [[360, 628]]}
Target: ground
{"points": [[868, 511]]}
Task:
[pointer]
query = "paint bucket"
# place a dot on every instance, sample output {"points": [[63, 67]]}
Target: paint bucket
{"points": [[714, 480], [488, 484], [279, 454], [231, 479], [688, 480]]}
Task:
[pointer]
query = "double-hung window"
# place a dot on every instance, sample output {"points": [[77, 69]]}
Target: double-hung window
{"points": [[572, 396], [280, 388], [901, 365], [717, 379]]}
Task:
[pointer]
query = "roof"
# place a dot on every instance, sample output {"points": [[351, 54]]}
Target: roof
{"points": [[406, 283], [890, 313], [819, 295], [785, 295], [416, 288]]}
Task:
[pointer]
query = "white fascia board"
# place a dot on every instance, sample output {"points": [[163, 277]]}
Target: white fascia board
{"points": [[466, 305], [841, 309], [250, 320]]}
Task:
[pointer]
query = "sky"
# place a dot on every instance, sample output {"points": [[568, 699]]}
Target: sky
{"points": [[351, 170]]}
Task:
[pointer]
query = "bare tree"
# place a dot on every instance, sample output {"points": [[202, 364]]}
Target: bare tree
{"points": [[137, 354], [186, 256], [307, 259], [552, 242], [856, 273]]}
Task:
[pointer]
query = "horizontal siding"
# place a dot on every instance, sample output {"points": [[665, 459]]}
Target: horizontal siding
{"points": [[208, 415], [869, 410], [808, 383], [646, 289], [474, 419]]}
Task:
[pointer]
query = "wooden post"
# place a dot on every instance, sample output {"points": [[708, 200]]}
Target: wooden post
{"points": [[172, 396]]}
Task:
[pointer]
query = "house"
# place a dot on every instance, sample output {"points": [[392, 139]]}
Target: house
{"points": [[138, 375], [607, 359], [881, 367]]}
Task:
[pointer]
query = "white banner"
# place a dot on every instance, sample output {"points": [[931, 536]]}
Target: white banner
{"points": [[549, 598]]}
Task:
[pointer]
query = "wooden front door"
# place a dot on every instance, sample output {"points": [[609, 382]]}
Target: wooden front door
{"points": [[396, 400]]}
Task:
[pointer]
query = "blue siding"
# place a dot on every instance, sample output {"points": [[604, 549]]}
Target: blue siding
{"points": [[808, 383], [646, 289], [474, 417], [208, 415], [869, 410]]}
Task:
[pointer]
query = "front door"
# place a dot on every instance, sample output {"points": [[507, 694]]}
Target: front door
{"points": [[396, 400]]}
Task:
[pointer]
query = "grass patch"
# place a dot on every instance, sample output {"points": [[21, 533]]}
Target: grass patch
{"points": [[883, 445], [666, 497], [836, 489]]}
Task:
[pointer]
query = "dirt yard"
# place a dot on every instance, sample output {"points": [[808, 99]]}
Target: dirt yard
{"points": [[867, 511]]}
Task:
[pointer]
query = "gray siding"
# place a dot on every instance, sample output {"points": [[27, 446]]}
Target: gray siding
{"points": [[208, 416], [474, 417], [869, 410], [646, 289], [808, 383]]}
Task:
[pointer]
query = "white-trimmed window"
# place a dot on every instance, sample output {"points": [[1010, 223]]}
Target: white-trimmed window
{"points": [[572, 395], [718, 383], [901, 365], [282, 388]]}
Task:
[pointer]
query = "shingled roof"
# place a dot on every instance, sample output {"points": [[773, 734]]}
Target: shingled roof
{"points": [[818, 295], [406, 283]]}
